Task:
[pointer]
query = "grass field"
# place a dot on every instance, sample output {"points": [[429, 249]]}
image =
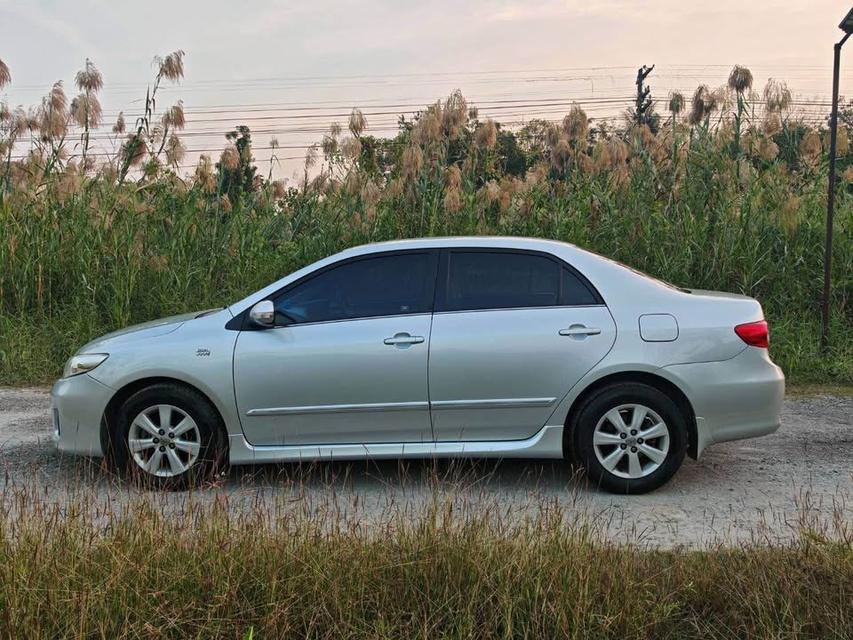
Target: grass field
{"points": [[727, 191], [90, 570]]}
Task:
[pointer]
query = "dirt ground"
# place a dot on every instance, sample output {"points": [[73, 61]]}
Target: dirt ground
{"points": [[749, 491]]}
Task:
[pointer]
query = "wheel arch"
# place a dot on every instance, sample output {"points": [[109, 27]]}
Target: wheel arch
{"points": [[123, 393], [658, 382]]}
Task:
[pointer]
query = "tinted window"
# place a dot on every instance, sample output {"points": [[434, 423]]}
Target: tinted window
{"points": [[482, 280], [384, 286], [574, 292]]}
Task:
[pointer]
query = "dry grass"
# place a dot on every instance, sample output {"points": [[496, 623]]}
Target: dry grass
{"points": [[160, 568]]}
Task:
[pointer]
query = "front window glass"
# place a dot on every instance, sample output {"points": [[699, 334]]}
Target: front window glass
{"points": [[382, 286]]}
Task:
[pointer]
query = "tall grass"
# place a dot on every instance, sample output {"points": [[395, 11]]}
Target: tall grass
{"points": [[728, 196], [89, 570]]}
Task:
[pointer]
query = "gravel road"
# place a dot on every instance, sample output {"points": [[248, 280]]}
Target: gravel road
{"points": [[749, 491]]}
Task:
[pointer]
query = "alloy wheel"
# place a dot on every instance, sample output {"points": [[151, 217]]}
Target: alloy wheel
{"points": [[164, 440], [631, 441]]}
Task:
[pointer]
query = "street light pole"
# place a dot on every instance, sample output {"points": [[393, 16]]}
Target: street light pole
{"points": [[847, 26]]}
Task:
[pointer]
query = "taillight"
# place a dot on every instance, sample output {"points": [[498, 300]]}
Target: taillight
{"points": [[755, 334]]}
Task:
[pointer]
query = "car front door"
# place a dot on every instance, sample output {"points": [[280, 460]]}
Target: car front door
{"points": [[349, 363], [512, 333]]}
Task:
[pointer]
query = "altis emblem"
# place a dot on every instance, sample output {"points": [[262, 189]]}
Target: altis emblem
{"points": [[202, 353]]}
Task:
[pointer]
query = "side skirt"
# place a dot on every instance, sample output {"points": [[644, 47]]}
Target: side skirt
{"points": [[546, 443]]}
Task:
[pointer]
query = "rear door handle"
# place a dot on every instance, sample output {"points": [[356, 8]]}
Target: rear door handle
{"points": [[403, 339], [580, 330]]}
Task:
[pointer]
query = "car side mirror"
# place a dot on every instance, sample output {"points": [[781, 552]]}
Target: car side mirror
{"points": [[263, 314]]}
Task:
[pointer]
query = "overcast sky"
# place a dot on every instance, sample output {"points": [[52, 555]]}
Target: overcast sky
{"points": [[294, 52]]}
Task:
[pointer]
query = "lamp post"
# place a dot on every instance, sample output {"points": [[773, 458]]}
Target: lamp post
{"points": [[847, 27]]}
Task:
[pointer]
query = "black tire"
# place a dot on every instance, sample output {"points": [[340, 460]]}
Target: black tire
{"points": [[582, 430], [212, 451]]}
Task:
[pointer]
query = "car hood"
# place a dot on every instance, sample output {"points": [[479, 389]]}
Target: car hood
{"points": [[150, 329]]}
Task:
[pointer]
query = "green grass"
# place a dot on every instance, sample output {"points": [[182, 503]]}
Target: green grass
{"points": [[82, 256], [85, 570]]}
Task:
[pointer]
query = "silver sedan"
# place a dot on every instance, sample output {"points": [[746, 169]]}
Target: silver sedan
{"points": [[460, 347]]}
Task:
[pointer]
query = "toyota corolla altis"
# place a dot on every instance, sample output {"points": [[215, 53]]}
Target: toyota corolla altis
{"points": [[460, 347]]}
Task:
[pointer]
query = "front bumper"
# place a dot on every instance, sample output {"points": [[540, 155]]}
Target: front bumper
{"points": [[732, 399], [77, 405]]}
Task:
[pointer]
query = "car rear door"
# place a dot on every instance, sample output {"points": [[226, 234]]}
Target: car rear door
{"points": [[512, 332], [350, 366]]}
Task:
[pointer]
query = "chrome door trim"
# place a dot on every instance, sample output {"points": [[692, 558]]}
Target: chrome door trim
{"points": [[546, 443], [338, 408], [493, 403]]}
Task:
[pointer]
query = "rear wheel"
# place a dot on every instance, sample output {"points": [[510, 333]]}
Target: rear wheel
{"points": [[629, 437], [168, 435]]}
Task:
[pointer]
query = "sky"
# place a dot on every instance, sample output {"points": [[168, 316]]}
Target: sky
{"points": [[289, 68]]}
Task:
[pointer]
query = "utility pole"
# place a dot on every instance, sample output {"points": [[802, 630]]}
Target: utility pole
{"points": [[846, 26]]}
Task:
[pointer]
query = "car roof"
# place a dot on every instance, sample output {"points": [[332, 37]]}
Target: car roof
{"points": [[498, 242]]}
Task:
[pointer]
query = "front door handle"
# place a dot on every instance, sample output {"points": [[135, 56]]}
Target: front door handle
{"points": [[580, 330], [403, 339]]}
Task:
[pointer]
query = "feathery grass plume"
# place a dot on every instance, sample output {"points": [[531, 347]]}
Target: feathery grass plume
{"points": [[847, 174], [810, 147], [329, 145], [772, 124], [455, 114], [412, 162], [89, 79], [740, 79], [561, 156], [119, 126], [428, 130], [171, 67], [278, 189], [789, 214], [351, 149], [721, 99], [576, 124], [767, 149], [174, 150], [453, 177], [230, 157], [86, 111], [676, 103], [274, 144], [619, 152], [52, 116], [225, 203], [310, 157], [452, 199], [842, 144], [204, 174], [601, 159], [395, 188], [5, 112], [701, 105], [174, 117], [486, 136], [357, 122], [777, 96], [133, 150], [552, 135], [5, 74]]}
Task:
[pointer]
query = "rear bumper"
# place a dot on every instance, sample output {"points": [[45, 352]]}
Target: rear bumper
{"points": [[732, 399], [77, 405]]}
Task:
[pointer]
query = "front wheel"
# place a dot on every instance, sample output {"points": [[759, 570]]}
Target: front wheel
{"points": [[168, 435], [629, 437]]}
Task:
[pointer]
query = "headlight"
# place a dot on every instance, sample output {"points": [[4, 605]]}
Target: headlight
{"points": [[82, 363]]}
